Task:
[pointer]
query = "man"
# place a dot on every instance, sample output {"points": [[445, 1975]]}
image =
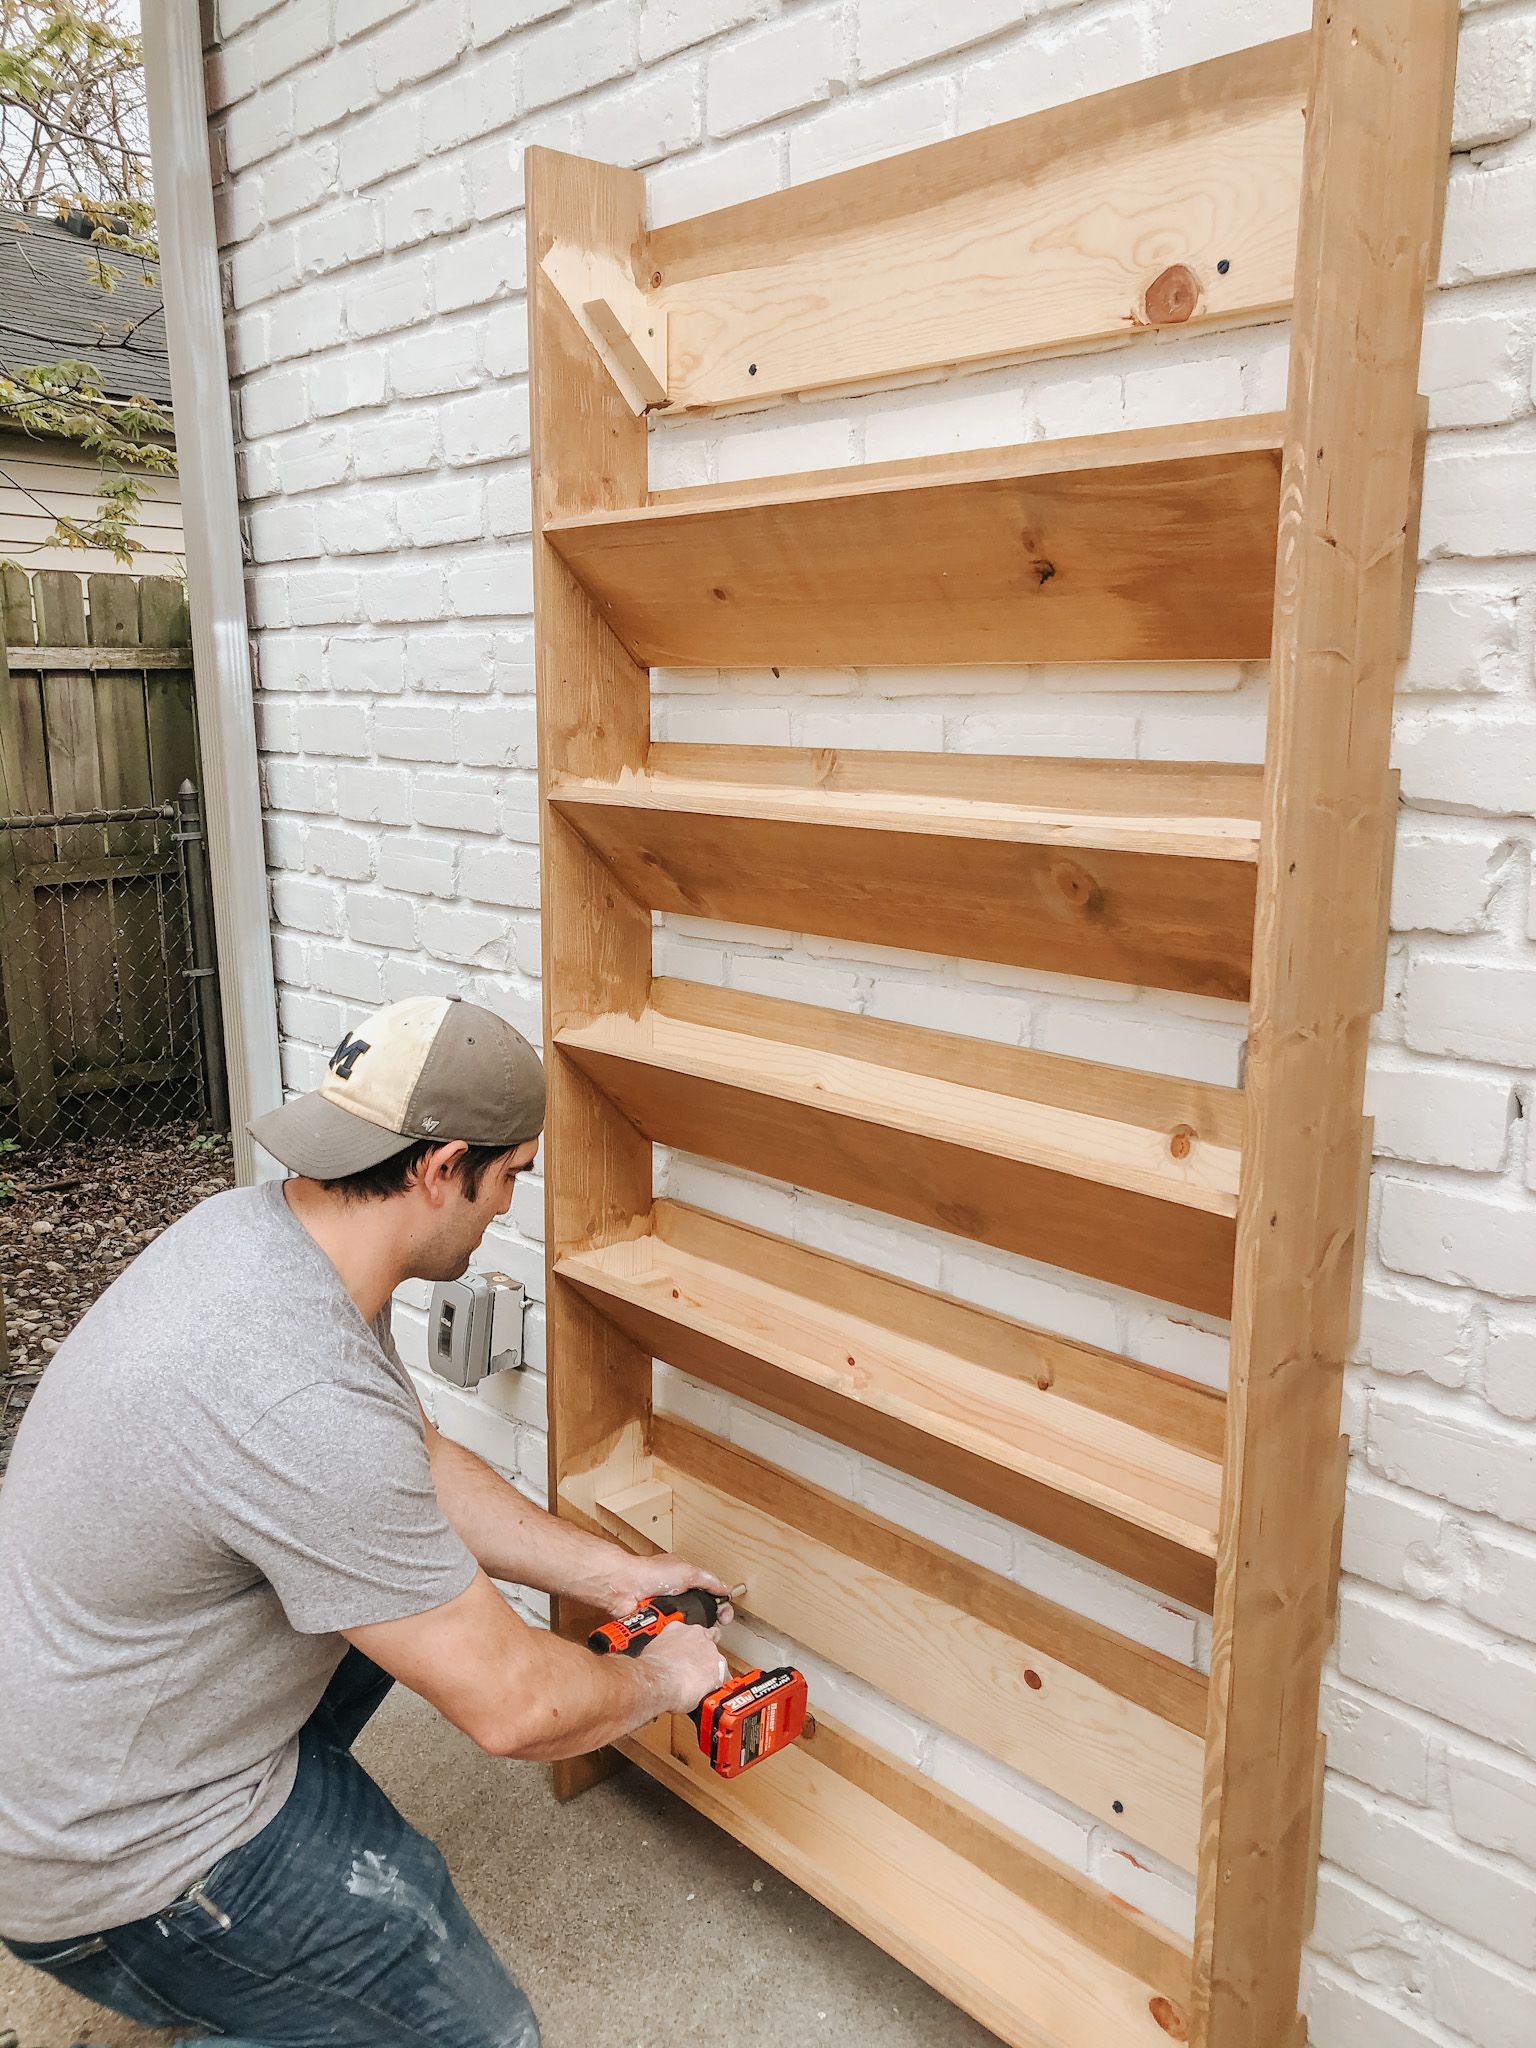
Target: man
{"points": [[228, 1527]]}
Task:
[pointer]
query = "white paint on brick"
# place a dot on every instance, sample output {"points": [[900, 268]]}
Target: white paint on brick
{"points": [[371, 212]]}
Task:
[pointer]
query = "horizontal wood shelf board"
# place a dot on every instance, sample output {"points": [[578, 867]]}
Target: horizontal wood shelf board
{"points": [[1096, 1718], [917, 813], [1125, 1144], [706, 1281], [1033, 1951], [1161, 901], [1130, 546], [1017, 238]]}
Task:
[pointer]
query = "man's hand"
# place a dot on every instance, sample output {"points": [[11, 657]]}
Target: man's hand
{"points": [[684, 1664], [630, 1580]]}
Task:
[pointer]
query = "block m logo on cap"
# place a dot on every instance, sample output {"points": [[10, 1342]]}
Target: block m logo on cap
{"points": [[347, 1055]]}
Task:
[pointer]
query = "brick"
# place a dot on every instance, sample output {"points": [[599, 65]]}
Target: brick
{"points": [[1492, 1802], [869, 126], [414, 732], [1475, 369], [1495, 81], [385, 300], [1452, 1451], [422, 866], [357, 17], [277, 726], [1481, 1999], [1463, 640], [460, 803], [1480, 1009], [934, 1516], [1375, 1743], [433, 202], [1490, 221], [349, 382], [470, 938], [1500, 1589], [1444, 881], [338, 236], [1415, 1862], [795, 63], [503, 874], [1401, 1544], [439, 359], [1358, 1926], [407, 594], [1509, 1370], [471, 101], [306, 905], [310, 461], [1460, 1239], [283, 532], [271, 404], [650, 120], [429, 37], [374, 918], [295, 786], [305, 323], [1066, 63], [399, 444], [1404, 1334], [379, 146], [419, 977], [299, 181], [1030, 1297], [509, 504], [894, 35], [980, 413], [331, 91], [290, 661], [375, 796], [716, 177], [336, 850], [498, 735], [454, 662], [372, 662], [1176, 394], [495, 586], [475, 268], [360, 524], [322, 597], [258, 128], [1144, 1883], [487, 427], [1436, 1116], [491, 19], [343, 971], [1480, 504], [1009, 1799], [574, 54], [1444, 1666], [1477, 763]]}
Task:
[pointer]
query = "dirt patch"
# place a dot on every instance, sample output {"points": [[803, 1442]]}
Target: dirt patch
{"points": [[70, 1220]]}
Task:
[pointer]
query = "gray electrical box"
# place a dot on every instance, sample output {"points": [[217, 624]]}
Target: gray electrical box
{"points": [[474, 1327]]}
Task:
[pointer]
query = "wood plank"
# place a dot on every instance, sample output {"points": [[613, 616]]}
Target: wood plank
{"points": [[1159, 900], [1026, 1946], [1169, 201], [1151, 546], [594, 719], [974, 1403], [95, 660], [1370, 233], [20, 628], [170, 700], [1129, 1178], [1095, 1718], [23, 772], [122, 732]]}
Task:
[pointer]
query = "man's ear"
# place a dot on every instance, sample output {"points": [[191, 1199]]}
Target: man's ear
{"points": [[439, 1171]]}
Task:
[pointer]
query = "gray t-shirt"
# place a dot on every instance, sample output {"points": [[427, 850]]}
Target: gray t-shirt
{"points": [[223, 1466]]}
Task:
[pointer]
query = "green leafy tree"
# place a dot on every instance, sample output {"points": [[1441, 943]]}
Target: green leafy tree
{"points": [[74, 142]]}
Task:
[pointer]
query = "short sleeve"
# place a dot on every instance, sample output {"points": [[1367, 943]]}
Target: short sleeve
{"points": [[330, 1497]]}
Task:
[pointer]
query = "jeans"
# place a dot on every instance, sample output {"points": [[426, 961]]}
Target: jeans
{"points": [[337, 1926]]}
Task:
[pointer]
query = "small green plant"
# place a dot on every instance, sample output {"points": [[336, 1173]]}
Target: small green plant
{"points": [[8, 1188], [208, 1141]]}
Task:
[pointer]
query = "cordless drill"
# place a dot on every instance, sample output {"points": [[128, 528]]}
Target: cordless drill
{"points": [[742, 1722]]}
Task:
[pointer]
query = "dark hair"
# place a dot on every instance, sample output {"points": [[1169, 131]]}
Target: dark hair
{"points": [[392, 1176]]}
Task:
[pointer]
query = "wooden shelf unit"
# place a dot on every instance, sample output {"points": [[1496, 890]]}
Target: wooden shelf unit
{"points": [[1260, 182]]}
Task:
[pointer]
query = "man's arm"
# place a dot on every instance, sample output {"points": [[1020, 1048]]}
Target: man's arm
{"points": [[512, 1539], [520, 1692]]}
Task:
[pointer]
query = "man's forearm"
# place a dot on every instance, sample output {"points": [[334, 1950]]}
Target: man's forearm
{"points": [[510, 1537]]}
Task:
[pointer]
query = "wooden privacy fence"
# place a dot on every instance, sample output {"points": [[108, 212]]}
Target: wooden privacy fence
{"points": [[108, 1011]]}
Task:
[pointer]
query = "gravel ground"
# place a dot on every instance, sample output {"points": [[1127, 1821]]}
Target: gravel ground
{"points": [[71, 1219]]}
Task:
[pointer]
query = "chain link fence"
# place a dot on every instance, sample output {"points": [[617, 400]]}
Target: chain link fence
{"points": [[109, 1016]]}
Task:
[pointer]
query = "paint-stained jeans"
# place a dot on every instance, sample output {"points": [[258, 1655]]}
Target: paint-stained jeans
{"points": [[336, 1927]]}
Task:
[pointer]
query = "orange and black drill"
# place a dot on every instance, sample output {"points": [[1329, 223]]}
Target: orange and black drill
{"points": [[742, 1722]]}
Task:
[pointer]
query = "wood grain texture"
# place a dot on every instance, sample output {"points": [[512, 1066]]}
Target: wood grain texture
{"points": [[1048, 232], [1027, 1946], [1124, 547], [1161, 901], [1129, 1177], [1378, 138], [1098, 1719], [588, 452], [1085, 1449]]}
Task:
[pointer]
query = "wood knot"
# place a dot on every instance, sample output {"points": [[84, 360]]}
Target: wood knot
{"points": [[1033, 1680], [1171, 297], [1173, 2021], [1181, 1141], [720, 596], [1077, 885], [1044, 571]]}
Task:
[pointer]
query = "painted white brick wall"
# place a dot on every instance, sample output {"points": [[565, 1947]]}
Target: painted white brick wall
{"points": [[368, 155]]}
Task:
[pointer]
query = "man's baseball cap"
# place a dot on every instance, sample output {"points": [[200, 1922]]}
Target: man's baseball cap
{"points": [[434, 1067]]}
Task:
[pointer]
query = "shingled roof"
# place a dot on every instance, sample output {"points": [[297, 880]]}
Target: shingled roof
{"points": [[51, 307]]}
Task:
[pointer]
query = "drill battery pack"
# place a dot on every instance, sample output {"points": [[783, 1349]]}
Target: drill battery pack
{"points": [[750, 1718]]}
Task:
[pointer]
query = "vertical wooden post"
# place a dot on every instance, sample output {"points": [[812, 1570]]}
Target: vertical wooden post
{"points": [[589, 453], [24, 792], [1377, 145]]}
